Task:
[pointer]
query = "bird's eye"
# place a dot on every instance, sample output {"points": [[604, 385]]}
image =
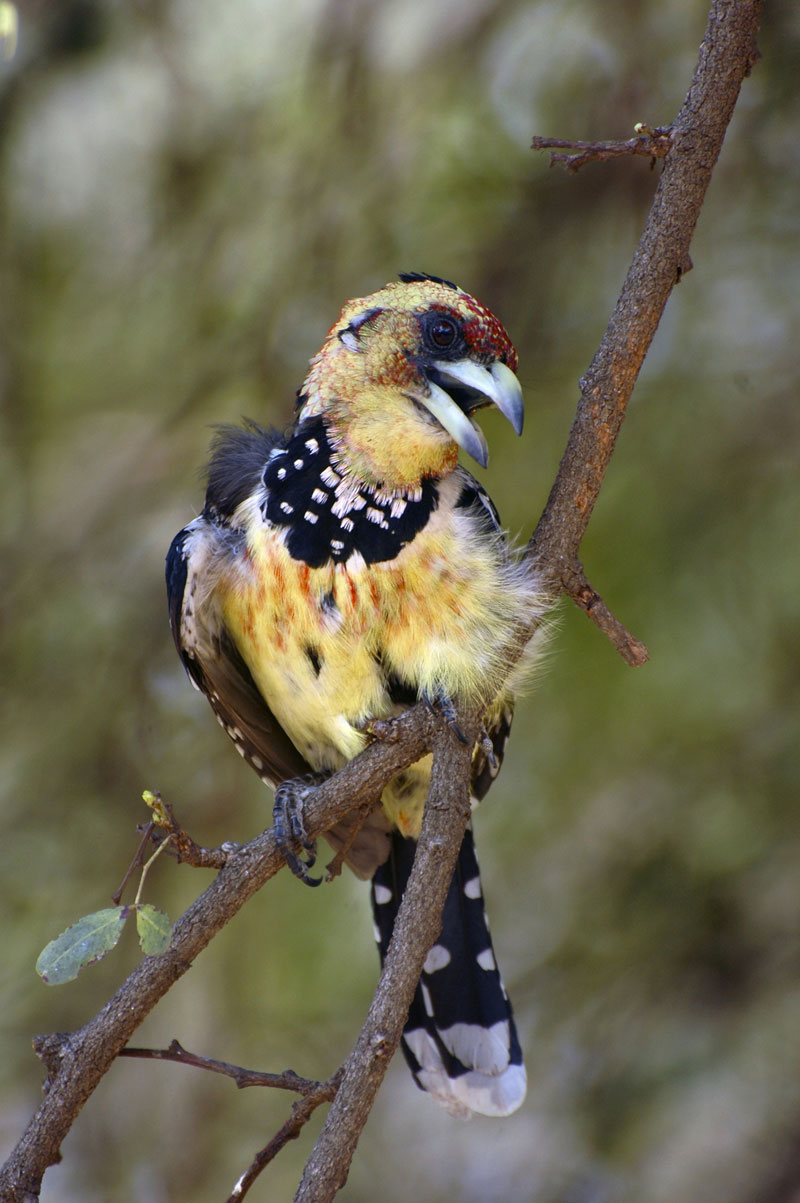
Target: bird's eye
{"points": [[443, 332]]}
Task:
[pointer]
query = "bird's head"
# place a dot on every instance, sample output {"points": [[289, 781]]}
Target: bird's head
{"points": [[400, 375]]}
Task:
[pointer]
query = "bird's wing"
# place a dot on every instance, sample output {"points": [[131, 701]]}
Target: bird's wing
{"points": [[474, 498], [213, 662], [216, 668]]}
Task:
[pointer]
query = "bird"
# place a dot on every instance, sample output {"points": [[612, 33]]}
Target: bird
{"points": [[346, 569]]}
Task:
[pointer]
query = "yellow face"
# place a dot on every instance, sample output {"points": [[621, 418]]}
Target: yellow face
{"points": [[400, 374]]}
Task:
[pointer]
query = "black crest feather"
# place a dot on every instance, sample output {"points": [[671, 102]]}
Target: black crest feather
{"points": [[417, 277], [238, 455]]}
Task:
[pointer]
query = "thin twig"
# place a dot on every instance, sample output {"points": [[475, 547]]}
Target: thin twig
{"points": [[632, 650], [187, 851], [176, 1053], [653, 143], [138, 857], [334, 866], [301, 1114], [313, 1093]]}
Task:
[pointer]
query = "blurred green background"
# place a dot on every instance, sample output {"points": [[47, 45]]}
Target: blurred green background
{"points": [[188, 193]]}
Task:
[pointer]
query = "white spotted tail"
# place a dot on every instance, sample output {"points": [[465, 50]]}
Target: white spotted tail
{"points": [[460, 1039]]}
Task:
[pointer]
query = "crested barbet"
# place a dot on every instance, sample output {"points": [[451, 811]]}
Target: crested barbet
{"points": [[345, 570]]}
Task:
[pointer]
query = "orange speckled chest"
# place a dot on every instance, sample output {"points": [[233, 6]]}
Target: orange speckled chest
{"points": [[322, 643]]}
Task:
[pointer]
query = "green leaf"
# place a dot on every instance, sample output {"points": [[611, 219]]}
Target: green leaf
{"points": [[80, 945], [154, 929]]}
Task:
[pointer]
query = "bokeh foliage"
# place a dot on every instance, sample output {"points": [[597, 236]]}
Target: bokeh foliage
{"points": [[188, 192]]}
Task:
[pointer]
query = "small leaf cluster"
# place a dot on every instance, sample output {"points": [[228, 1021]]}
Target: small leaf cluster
{"points": [[93, 936]]}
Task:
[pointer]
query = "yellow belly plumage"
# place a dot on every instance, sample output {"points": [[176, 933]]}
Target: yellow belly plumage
{"points": [[320, 642]]}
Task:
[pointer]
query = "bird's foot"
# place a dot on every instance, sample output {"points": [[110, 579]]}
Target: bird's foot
{"points": [[443, 704], [299, 852]]}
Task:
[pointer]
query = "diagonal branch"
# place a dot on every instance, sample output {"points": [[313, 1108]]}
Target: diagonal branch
{"points": [[77, 1061], [632, 650], [727, 53], [417, 925]]}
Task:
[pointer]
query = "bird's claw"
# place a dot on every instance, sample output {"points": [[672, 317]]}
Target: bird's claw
{"points": [[290, 832], [443, 704], [487, 747]]}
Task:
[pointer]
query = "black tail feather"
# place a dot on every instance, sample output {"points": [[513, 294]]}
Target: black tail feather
{"points": [[460, 1039]]}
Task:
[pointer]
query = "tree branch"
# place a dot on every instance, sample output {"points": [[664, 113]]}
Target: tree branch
{"points": [[77, 1061], [632, 650], [178, 1055], [314, 1094], [301, 1114], [727, 53], [417, 925], [654, 143]]}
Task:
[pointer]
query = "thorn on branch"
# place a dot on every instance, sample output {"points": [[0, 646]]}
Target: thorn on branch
{"points": [[653, 143]]}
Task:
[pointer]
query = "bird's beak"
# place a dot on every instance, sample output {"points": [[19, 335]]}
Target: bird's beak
{"points": [[458, 388]]}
